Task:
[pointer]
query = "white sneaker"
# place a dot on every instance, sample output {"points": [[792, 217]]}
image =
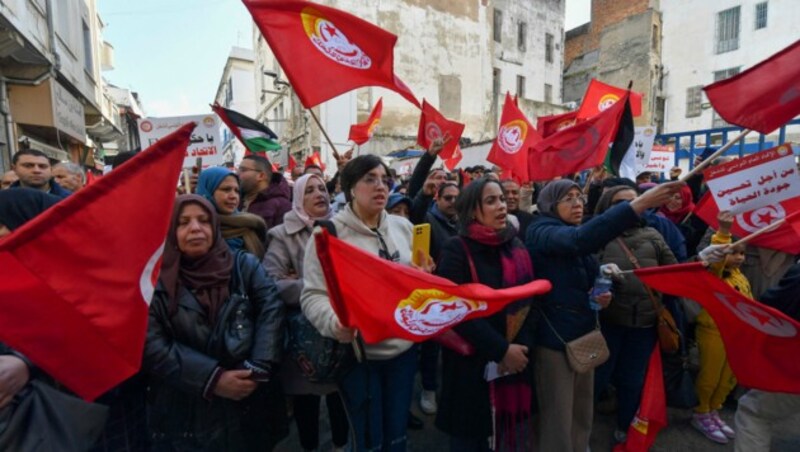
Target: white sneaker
{"points": [[723, 427], [427, 402]]}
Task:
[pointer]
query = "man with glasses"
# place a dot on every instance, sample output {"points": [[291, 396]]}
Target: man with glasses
{"points": [[264, 193]]}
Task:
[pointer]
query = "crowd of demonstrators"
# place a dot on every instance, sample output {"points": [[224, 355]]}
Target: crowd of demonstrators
{"points": [[240, 266]]}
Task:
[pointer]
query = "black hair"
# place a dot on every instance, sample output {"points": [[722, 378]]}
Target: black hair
{"points": [[445, 185], [33, 152], [312, 166], [121, 158], [614, 181], [262, 163], [469, 200], [356, 169]]}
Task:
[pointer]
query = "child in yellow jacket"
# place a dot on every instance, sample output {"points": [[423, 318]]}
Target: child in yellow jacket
{"points": [[715, 379]]}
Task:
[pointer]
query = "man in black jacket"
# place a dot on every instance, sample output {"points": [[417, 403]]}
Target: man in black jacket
{"points": [[758, 410], [512, 193]]}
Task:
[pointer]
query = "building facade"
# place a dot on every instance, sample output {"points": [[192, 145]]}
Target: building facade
{"points": [[236, 91], [709, 41], [621, 44], [460, 56], [52, 94]]}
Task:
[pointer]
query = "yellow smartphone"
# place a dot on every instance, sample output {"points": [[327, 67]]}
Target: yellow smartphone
{"points": [[421, 241]]}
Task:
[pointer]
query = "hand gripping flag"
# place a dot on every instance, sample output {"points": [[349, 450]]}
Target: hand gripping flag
{"points": [[600, 96], [77, 280], [433, 125], [326, 52], [548, 125], [383, 299], [763, 343], [651, 416], [576, 148], [782, 238], [764, 97], [514, 139], [256, 137], [362, 132]]}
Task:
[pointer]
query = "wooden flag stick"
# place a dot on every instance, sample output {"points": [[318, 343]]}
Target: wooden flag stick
{"points": [[325, 133], [761, 231], [719, 152]]}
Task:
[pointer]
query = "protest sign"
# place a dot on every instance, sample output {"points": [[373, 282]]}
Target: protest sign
{"points": [[662, 158], [205, 139]]}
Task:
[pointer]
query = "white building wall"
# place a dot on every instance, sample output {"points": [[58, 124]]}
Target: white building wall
{"points": [[689, 53]]}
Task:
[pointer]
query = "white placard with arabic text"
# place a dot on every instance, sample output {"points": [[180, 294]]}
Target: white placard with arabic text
{"points": [[662, 158], [205, 140], [755, 181]]}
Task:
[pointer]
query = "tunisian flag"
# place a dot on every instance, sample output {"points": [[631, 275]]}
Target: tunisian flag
{"points": [[325, 51], [782, 238], [433, 125], [77, 280], [651, 416], [514, 138], [361, 133], [764, 97], [454, 160], [411, 305], [576, 148], [763, 343], [548, 125], [601, 96]]}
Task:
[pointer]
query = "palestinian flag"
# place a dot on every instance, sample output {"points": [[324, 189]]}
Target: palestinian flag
{"points": [[256, 137], [621, 158]]}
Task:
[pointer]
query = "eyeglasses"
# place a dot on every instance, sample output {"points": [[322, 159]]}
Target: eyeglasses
{"points": [[574, 200], [376, 181]]}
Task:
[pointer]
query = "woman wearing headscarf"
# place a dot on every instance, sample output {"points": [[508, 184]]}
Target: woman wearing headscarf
{"points": [[561, 250], [284, 262], [241, 230], [487, 251], [629, 322], [679, 211], [376, 392], [214, 339]]}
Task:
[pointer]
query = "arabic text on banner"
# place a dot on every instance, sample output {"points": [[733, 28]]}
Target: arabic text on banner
{"points": [[662, 158], [205, 139]]}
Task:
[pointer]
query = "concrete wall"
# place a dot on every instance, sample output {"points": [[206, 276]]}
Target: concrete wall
{"points": [[689, 52], [238, 73]]}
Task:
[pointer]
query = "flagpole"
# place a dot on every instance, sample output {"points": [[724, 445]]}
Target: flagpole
{"points": [[761, 231], [325, 133], [711, 157]]}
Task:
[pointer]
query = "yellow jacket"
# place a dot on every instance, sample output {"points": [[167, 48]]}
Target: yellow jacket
{"points": [[732, 276]]}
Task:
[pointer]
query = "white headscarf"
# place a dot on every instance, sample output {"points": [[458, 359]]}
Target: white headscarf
{"points": [[297, 201]]}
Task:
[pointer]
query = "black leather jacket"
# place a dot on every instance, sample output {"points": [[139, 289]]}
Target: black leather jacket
{"points": [[182, 352]]}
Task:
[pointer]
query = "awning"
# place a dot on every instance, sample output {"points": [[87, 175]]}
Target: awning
{"points": [[51, 151]]}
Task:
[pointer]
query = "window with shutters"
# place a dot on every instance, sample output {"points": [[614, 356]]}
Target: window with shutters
{"points": [[498, 25], [694, 101], [548, 47], [520, 87], [761, 15], [522, 36], [728, 30]]}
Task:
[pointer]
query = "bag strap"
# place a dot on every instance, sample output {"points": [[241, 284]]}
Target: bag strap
{"points": [[472, 270], [635, 262]]}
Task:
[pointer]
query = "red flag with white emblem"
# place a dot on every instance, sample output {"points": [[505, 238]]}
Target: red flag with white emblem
{"points": [[434, 125], [548, 125], [77, 280], [601, 96], [782, 238], [651, 416], [514, 138], [326, 52], [453, 161], [575, 148], [361, 133], [412, 305], [763, 97], [762, 342]]}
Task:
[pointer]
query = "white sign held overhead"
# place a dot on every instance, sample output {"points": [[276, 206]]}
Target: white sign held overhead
{"points": [[205, 139]]}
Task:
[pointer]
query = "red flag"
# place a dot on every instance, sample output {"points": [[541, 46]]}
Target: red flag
{"points": [[292, 162], [77, 280], [310, 40], [782, 238], [362, 132], [314, 159], [548, 125], [601, 96], [576, 148], [515, 136], [433, 125], [453, 161], [413, 305], [762, 342], [794, 222], [764, 97], [651, 416], [91, 177]]}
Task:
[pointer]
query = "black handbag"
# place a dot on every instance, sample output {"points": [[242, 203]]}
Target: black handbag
{"points": [[321, 359], [43, 418]]}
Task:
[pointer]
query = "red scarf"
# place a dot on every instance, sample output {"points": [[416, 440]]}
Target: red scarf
{"points": [[678, 215]]}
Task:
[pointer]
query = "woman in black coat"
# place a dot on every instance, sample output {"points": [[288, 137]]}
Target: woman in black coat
{"points": [[487, 251], [213, 341]]}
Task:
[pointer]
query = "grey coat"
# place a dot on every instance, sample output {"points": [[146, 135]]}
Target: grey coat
{"points": [[287, 248]]}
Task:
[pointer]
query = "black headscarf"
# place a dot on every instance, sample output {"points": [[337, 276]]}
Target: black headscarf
{"points": [[20, 205], [206, 276]]}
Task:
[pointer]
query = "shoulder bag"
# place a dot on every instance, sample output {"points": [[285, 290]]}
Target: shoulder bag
{"points": [[586, 352]]}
